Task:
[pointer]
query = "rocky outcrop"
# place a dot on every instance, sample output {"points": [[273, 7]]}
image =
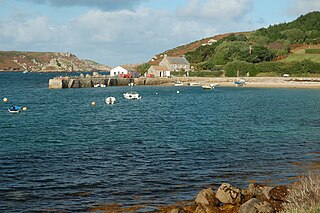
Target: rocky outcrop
{"points": [[46, 62], [257, 198]]}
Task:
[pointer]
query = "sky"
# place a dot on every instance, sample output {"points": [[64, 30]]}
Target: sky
{"points": [[116, 32]]}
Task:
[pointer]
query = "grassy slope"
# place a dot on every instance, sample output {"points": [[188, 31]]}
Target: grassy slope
{"points": [[299, 55]]}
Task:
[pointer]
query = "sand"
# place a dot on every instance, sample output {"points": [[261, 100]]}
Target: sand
{"points": [[258, 82]]}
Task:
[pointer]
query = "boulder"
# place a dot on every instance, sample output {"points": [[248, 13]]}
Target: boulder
{"points": [[258, 191], [227, 193], [256, 206], [206, 197]]}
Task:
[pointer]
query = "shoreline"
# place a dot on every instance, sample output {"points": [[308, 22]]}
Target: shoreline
{"points": [[251, 82], [254, 82]]}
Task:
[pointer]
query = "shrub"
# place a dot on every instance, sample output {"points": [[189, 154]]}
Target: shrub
{"points": [[240, 66], [305, 196]]}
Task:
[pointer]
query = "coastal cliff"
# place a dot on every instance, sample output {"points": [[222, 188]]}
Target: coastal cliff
{"points": [[46, 62]]}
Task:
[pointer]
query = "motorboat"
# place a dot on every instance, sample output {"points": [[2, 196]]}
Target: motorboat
{"points": [[132, 95], [110, 100], [178, 83], [241, 82], [207, 86], [14, 109]]}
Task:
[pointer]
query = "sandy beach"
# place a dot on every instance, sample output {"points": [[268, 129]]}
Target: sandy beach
{"points": [[259, 82]]}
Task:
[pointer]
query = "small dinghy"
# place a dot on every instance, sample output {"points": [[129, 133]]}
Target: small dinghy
{"points": [[14, 109], [110, 100]]}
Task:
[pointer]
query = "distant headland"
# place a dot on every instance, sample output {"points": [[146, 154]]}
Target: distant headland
{"points": [[19, 61]]}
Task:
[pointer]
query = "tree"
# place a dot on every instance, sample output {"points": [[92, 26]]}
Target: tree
{"points": [[143, 68]]}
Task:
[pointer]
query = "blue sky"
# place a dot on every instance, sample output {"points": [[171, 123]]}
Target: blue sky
{"points": [[115, 32]]}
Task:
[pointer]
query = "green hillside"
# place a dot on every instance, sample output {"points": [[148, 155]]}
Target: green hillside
{"points": [[266, 50]]}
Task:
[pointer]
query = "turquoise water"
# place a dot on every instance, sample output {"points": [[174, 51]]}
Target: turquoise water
{"points": [[64, 154]]}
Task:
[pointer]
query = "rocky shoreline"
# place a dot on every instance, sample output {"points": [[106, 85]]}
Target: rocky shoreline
{"points": [[226, 199]]}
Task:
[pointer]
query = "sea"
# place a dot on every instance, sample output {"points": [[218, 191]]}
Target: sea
{"points": [[64, 155]]}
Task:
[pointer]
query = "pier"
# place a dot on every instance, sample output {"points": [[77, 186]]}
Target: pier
{"points": [[80, 82]]}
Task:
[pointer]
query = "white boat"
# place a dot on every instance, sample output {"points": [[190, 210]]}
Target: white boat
{"points": [[178, 83], [99, 85], [214, 85], [110, 100], [14, 109], [132, 95], [194, 84], [207, 87]]}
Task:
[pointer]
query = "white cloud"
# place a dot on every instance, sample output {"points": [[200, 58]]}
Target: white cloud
{"points": [[300, 7], [215, 8], [121, 36]]}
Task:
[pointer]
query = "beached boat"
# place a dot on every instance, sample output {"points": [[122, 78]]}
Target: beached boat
{"points": [[241, 82], [207, 87], [214, 85], [178, 83], [110, 100], [14, 109], [193, 84]]}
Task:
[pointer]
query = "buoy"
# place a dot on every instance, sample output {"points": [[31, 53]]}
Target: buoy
{"points": [[156, 93], [5, 100], [178, 92], [93, 103], [24, 108]]}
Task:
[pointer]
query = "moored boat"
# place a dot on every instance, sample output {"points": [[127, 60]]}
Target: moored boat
{"points": [[14, 109], [110, 100], [132, 95]]}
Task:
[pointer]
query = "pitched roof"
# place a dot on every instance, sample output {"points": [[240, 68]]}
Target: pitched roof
{"points": [[178, 60], [160, 68]]}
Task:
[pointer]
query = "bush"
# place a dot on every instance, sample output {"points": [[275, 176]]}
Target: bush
{"points": [[206, 73], [305, 196], [240, 66]]}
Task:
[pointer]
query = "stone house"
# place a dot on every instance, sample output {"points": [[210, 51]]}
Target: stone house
{"points": [[175, 63], [159, 71]]}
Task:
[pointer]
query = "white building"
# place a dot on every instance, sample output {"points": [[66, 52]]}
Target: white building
{"points": [[118, 71]]}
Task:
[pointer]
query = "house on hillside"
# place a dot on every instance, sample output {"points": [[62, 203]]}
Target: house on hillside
{"points": [[159, 71], [175, 63], [118, 71]]}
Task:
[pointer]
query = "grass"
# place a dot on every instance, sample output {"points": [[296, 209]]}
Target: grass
{"points": [[300, 56], [305, 196]]}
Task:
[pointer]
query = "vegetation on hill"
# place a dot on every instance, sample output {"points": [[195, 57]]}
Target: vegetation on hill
{"points": [[266, 51]]}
